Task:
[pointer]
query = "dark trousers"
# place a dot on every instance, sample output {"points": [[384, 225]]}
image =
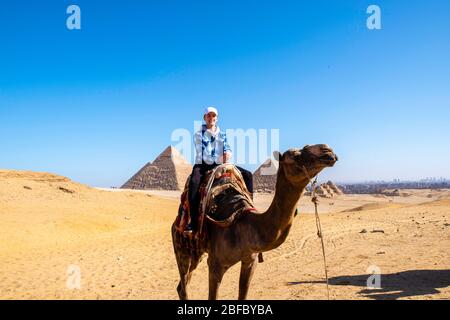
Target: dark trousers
{"points": [[198, 172]]}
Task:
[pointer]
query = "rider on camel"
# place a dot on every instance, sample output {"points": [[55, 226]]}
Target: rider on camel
{"points": [[212, 149]]}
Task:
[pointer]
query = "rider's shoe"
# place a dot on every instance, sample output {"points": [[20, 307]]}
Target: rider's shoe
{"points": [[189, 230]]}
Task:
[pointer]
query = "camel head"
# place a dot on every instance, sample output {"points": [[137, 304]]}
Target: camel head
{"points": [[300, 164]]}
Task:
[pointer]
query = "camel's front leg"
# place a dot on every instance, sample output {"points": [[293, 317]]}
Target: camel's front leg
{"points": [[216, 272], [247, 269]]}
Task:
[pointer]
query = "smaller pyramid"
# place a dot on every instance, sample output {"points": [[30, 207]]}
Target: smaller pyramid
{"points": [[265, 177], [321, 191], [168, 171], [328, 190], [334, 188]]}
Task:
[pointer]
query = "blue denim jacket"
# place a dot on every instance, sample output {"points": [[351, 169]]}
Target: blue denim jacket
{"points": [[209, 148]]}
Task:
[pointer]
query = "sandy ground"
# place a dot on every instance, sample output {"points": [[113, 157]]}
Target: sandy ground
{"points": [[54, 232]]}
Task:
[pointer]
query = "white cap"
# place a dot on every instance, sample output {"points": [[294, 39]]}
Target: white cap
{"points": [[211, 109]]}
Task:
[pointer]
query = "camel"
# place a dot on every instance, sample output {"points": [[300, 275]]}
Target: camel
{"points": [[254, 232]]}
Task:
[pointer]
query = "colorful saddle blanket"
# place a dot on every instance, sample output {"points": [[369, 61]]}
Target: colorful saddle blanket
{"points": [[216, 182]]}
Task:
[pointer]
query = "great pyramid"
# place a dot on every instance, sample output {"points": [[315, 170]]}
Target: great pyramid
{"points": [[168, 171], [265, 177]]}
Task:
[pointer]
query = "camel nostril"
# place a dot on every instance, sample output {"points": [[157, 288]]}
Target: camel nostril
{"points": [[330, 157]]}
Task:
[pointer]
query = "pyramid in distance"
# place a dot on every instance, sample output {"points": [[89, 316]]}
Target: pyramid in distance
{"points": [[265, 177], [168, 171]]}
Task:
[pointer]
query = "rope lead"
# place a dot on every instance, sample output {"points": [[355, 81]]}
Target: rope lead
{"points": [[319, 227]]}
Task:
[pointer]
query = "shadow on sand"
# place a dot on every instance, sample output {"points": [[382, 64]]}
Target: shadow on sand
{"points": [[395, 285]]}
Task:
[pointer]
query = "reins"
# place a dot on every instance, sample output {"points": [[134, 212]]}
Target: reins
{"points": [[318, 225]]}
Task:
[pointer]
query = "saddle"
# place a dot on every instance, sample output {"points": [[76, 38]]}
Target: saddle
{"points": [[215, 182]]}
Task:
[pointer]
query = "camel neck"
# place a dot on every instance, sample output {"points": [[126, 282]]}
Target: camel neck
{"points": [[277, 220]]}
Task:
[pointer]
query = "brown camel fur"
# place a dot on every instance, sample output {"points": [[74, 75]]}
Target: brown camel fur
{"points": [[253, 232]]}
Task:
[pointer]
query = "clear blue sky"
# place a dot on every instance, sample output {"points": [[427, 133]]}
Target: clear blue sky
{"points": [[96, 104]]}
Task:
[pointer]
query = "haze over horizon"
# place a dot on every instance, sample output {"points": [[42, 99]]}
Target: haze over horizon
{"points": [[97, 104]]}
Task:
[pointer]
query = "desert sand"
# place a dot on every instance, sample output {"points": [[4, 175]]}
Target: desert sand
{"points": [[121, 243]]}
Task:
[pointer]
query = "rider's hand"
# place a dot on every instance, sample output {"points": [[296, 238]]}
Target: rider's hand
{"points": [[227, 157]]}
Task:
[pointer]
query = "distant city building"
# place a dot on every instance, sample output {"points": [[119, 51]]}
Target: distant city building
{"points": [[383, 187]]}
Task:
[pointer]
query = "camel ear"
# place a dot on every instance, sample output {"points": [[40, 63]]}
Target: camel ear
{"points": [[278, 156]]}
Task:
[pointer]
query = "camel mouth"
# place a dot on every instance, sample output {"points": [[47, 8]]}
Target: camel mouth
{"points": [[329, 158], [321, 154]]}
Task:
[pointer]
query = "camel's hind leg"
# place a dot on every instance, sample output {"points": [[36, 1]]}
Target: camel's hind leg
{"points": [[187, 262], [186, 265]]}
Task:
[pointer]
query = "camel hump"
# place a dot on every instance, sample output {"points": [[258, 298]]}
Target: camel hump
{"points": [[225, 193], [221, 177], [226, 170]]}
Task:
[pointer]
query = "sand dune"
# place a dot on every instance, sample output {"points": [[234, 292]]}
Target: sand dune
{"points": [[120, 242], [374, 206]]}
